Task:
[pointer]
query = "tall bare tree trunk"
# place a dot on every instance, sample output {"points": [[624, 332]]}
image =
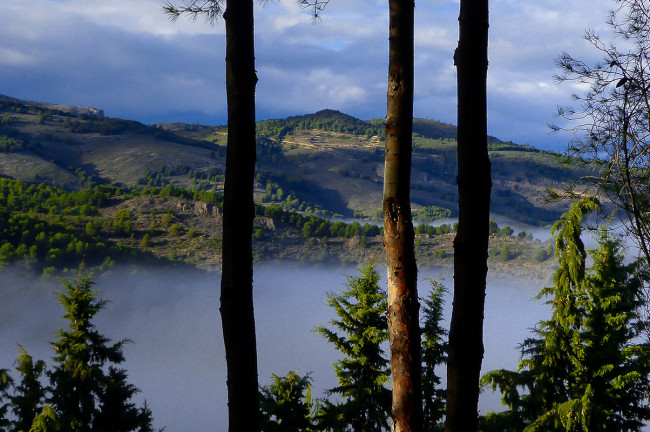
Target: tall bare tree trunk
{"points": [[403, 306], [471, 242], [237, 315]]}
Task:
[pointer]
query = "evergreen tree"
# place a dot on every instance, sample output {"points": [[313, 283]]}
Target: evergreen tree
{"points": [[116, 410], [544, 369], [434, 353], [28, 397], [84, 395], [287, 405], [46, 421], [363, 371], [584, 371], [6, 382], [146, 419], [611, 366]]}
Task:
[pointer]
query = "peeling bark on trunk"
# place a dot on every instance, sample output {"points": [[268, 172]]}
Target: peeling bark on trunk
{"points": [[237, 313], [471, 242], [403, 306]]}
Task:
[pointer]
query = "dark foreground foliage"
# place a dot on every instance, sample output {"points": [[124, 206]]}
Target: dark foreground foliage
{"points": [[585, 368], [87, 391], [361, 402]]}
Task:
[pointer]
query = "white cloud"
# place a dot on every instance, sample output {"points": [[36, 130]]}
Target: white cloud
{"points": [[528, 89], [126, 57], [141, 16], [437, 38]]}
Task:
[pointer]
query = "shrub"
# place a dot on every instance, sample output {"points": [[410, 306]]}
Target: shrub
{"points": [[176, 230], [541, 255]]}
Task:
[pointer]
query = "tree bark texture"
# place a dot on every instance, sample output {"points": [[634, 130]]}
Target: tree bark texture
{"points": [[403, 306], [238, 320], [471, 242]]}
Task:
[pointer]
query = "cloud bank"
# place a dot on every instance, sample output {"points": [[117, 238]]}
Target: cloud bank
{"points": [[128, 59]]}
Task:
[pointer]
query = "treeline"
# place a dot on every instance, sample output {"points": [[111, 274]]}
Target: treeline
{"points": [[326, 120], [270, 150], [202, 178], [32, 226], [53, 244], [210, 197], [16, 195], [494, 230], [312, 226], [86, 389], [495, 144], [430, 214], [289, 201], [55, 229], [434, 129]]}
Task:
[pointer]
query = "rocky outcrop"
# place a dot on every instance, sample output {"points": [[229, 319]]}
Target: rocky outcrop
{"points": [[265, 223], [199, 208]]}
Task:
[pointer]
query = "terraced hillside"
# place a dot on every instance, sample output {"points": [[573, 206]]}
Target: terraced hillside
{"points": [[328, 162]]}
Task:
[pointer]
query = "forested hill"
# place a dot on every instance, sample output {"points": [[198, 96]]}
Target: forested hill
{"points": [[326, 163]]}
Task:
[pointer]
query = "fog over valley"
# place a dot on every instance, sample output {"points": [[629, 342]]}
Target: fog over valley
{"points": [[172, 316]]}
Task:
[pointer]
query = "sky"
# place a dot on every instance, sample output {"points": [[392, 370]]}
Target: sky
{"points": [[127, 58]]}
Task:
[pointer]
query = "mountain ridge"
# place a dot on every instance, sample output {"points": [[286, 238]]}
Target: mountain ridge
{"points": [[71, 109], [329, 160]]}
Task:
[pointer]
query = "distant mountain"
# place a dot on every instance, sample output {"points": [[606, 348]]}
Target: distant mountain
{"points": [[327, 161], [69, 109]]}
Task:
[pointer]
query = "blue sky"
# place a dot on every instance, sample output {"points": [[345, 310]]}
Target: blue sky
{"points": [[127, 58]]}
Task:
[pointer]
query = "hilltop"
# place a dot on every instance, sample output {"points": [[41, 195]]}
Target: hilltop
{"points": [[328, 160], [164, 182], [336, 162]]}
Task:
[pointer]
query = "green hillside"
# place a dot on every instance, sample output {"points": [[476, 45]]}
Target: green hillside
{"points": [[328, 162]]}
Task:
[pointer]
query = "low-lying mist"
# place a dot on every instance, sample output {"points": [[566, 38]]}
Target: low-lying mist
{"points": [[172, 316]]}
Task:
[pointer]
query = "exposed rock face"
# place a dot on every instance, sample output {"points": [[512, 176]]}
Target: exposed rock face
{"points": [[199, 208], [265, 222], [74, 110]]}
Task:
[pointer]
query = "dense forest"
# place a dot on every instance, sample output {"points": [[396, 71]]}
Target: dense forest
{"points": [[50, 229]]}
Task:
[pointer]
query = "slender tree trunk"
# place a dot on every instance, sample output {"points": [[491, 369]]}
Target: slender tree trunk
{"points": [[403, 306], [471, 242], [237, 314]]}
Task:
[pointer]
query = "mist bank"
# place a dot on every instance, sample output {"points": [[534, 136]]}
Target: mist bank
{"points": [[177, 357]]}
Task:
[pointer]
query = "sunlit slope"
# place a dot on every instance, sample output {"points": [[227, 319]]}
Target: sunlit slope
{"points": [[328, 160], [56, 146]]}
